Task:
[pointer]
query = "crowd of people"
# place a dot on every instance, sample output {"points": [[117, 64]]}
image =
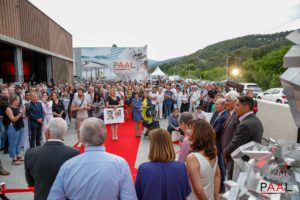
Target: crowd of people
{"points": [[35, 117]]}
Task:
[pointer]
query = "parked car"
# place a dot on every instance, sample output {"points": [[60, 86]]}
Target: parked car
{"points": [[273, 94], [253, 86]]}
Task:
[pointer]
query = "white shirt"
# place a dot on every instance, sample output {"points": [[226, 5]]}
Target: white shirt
{"points": [[160, 97], [245, 115], [47, 107], [185, 98], [54, 140], [195, 96], [153, 95]]}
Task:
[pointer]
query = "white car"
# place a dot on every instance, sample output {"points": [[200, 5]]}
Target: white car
{"points": [[273, 94], [253, 86]]}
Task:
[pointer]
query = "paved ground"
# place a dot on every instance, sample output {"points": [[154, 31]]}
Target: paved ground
{"points": [[17, 177]]}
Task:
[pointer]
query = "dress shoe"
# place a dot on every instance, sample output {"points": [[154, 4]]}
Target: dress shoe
{"points": [[16, 162], [19, 158], [2, 148], [3, 172]]}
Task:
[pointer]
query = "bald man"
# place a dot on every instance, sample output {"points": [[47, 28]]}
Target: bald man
{"points": [[217, 122]]}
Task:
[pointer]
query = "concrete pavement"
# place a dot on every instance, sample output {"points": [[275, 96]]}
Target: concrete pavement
{"points": [[17, 177]]}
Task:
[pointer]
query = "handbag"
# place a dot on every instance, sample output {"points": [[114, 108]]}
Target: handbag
{"points": [[150, 111], [74, 113]]}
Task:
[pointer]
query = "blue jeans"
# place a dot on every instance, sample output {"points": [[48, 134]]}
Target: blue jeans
{"points": [[14, 140], [168, 106], [3, 134]]}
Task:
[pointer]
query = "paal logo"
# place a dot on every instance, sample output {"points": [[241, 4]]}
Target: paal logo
{"points": [[271, 188], [280, 175]]}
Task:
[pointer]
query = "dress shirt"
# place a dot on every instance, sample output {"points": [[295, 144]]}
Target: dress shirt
{"points": [[54, 140], [245, 115], [95, 174], [185, 149], [47, 107]]}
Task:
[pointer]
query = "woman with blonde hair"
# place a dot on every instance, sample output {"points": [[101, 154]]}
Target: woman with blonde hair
{"points": [[202, 163], [113, 101], [162, 178]]}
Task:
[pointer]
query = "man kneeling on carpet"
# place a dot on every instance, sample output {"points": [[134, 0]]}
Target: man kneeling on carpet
{"points": [[95, 174], [174, 122]]}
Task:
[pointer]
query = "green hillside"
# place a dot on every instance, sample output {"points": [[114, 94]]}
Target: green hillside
{"points": [[251, 54]]}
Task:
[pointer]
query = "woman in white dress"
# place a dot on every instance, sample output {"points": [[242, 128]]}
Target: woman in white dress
{"points": [[178, 97], [202, 163], [48, 114], [160, 101], [195, 98]]}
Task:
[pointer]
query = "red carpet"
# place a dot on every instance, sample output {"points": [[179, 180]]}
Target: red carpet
{"points": [[127, 145]]}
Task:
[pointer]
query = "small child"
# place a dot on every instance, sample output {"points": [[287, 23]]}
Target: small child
{"points": [[199, 114]]}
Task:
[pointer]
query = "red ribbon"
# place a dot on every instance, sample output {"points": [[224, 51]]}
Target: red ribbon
{"points": [[16, 190]]}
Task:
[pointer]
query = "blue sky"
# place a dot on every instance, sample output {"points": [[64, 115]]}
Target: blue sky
{"points": [[170, 28]]}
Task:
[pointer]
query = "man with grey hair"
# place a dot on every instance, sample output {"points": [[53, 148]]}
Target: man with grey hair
{"points": [[42, 163], [95, 174], [229, 127]]}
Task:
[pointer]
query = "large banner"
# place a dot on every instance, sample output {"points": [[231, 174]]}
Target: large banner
{"points": [[128, 63]]}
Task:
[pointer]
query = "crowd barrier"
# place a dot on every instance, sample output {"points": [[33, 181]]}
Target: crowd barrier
{"points": [[277, 120], [4, 190]]}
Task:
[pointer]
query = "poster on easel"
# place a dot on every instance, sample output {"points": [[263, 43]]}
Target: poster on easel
{"points": [[113, 115]]}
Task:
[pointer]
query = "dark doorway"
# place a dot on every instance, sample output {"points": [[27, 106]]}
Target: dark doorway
{"points": [[7, 66], [34, 67]]}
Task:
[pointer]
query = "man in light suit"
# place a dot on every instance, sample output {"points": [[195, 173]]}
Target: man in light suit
{"points": [[217, 122], [249, 129], [229, 127], [42, 163]]}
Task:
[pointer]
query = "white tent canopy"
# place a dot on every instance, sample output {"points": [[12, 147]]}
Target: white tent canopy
{"points": [[158, 72]]}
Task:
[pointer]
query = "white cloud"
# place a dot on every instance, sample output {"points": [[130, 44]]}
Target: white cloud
{"points": [[170, 28]]}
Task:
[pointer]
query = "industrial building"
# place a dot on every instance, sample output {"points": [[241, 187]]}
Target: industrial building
{"points": [[33, 47]]}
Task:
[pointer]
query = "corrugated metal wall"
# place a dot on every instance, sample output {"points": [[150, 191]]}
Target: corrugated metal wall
{"points": [[21, 20], [60, 41], [34, 26], [10, 18]]}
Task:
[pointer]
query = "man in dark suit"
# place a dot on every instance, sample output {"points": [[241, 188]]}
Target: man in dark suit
{"points": [[249, 129], [229, 127], [36, 117], [217, 122], [42, 163]]}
